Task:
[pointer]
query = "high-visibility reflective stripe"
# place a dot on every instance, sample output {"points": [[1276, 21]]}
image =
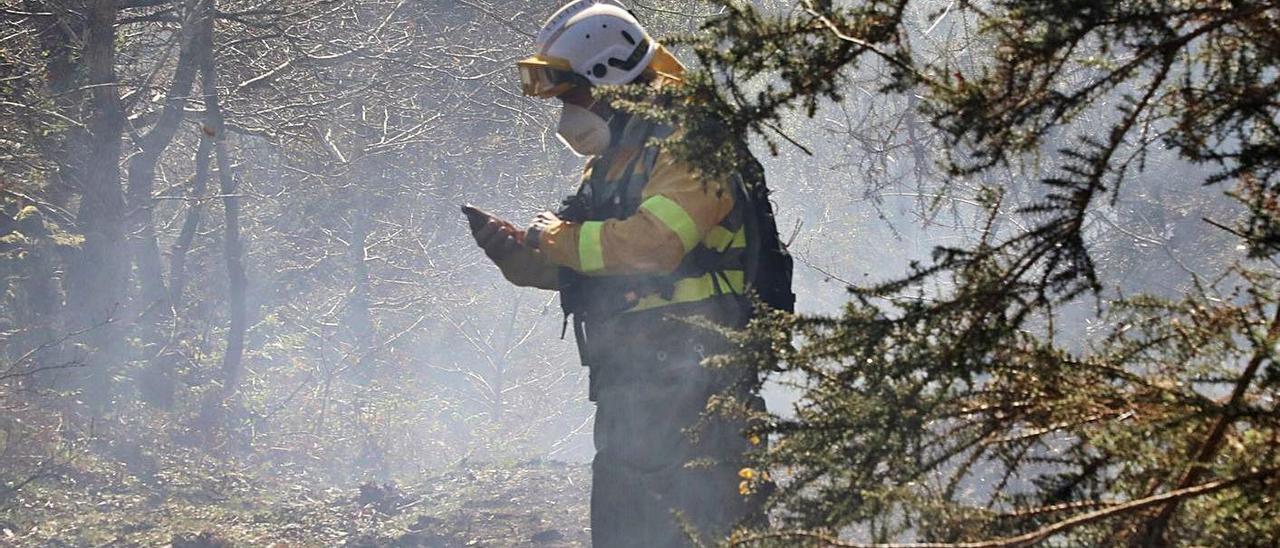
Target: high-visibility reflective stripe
{"points": [[719, 238], [690, 290], [675, 217], [590, 252]]}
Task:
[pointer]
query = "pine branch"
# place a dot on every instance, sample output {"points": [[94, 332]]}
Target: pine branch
{"points": [[1038, 535], [1208, 450]]}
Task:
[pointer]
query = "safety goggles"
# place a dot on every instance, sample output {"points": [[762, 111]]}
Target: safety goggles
{"points": [[543, 77]]}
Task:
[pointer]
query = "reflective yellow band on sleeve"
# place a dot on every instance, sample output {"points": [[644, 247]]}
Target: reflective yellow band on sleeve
{"points": [[689, 290], [675, 217], [590, 251], [719, 238]]}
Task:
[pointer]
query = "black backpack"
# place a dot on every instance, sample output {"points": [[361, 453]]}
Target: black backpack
{"points": [[769, 265]]}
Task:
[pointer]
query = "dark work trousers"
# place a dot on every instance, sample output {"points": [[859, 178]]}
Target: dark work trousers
{"points": [[662, 463]]}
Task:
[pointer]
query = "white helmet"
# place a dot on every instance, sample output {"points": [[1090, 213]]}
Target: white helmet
{"points": [[596, 42]]}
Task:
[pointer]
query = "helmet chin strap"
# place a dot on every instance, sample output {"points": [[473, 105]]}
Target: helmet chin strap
{"points": [[617, 123]]}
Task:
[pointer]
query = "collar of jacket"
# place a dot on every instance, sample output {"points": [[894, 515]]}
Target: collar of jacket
{"points": [[631, 141]]}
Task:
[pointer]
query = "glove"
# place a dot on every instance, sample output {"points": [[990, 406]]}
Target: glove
{"points": [[543, 223], [498, 238]]}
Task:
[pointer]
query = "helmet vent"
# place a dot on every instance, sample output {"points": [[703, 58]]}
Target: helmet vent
{"points": [[628, 37], [599, 70], [633, 60]]}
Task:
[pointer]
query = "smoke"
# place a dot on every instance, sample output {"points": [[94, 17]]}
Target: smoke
{"points": [[379, 343]]}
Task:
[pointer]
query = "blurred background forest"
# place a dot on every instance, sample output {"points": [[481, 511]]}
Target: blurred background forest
{"points": [[239, 299]]}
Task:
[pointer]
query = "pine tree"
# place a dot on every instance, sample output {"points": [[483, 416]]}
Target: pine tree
{"points": [[959, 413]]}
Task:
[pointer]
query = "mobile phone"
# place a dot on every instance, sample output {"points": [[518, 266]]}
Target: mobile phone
{"points": [[476, 218]]}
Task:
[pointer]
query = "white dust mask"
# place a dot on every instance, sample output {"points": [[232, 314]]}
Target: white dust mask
{"points": [[583, 131]]}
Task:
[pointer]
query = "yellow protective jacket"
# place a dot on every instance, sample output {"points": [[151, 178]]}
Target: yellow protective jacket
{"points": [[679, 211]]}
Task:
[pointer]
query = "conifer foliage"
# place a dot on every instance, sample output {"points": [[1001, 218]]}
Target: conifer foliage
{"points": [[948, 405]]}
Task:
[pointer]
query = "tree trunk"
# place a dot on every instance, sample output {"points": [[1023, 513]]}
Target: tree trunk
{"points": [[66, 149], [237, 281], [142, 167], [156, 384], [190, 225], [99, 276], [232, 246], [359, 319]]}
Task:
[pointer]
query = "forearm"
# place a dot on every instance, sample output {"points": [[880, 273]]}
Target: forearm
{"points": [[636, 245], [676, 213], [525, 268]]}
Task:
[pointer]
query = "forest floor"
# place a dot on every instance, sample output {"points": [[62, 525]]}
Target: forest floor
{"points": [[526, 504]]}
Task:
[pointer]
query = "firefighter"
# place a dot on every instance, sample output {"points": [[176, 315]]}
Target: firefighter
{"points": [[645, 244]]}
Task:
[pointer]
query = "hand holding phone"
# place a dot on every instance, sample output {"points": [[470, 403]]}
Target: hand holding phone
{"points": [[496, 237]]}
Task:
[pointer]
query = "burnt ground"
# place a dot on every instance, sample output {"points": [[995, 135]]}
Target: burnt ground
{"points": [[526, 504]]}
